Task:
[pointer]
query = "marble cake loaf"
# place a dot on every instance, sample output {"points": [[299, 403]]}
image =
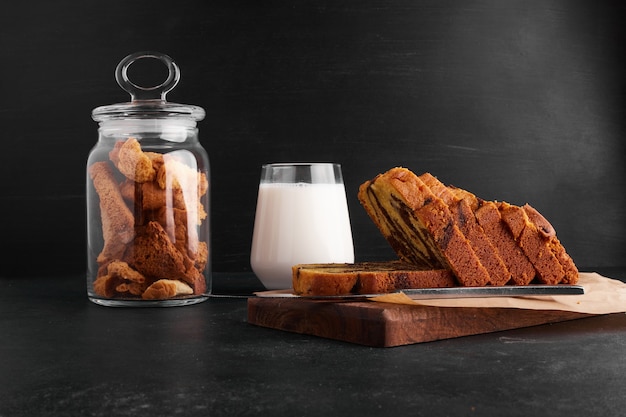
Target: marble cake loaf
{"points": [[481, 242]]}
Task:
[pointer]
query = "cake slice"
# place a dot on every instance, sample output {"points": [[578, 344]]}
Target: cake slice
{"points": [[546, 230], [154, 255], [460, 205], [117, 220], [366, 278], [488, 216], [166, 288], [533, 243], [521, 269], [131, 161], [419, 225]]}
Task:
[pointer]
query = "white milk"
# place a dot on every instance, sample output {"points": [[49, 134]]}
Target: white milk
{"points": [[299, 223]]}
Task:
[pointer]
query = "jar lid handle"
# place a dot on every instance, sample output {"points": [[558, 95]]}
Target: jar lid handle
{"points": [[147, 93]]}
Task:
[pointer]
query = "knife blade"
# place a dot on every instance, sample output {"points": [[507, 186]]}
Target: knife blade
{"points": [[442, 293]]}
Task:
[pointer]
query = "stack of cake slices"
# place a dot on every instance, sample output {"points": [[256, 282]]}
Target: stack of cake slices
{"points": [[444, 236]]}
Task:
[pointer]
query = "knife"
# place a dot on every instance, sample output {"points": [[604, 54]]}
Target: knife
{"points": [[439, 293]]}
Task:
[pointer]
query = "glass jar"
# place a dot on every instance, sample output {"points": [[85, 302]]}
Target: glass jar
{"points": [[148, 232]]}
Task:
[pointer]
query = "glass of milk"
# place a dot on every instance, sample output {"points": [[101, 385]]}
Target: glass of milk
{"points": [[301, 217]]}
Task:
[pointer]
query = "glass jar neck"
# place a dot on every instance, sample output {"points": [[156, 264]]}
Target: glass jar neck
{"points": [[170, 130]]}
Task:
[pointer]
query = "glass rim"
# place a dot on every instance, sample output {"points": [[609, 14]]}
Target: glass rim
{"points": [[288, 164], [301, 173]]}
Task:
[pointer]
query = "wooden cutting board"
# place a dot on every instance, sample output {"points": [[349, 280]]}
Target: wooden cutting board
{"points": [[384, 325]]}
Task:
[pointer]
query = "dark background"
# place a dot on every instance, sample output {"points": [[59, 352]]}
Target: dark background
{"points": [[522, 101]]}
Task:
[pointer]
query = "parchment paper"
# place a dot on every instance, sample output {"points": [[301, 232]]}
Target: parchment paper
{"points": [[602, 296]]}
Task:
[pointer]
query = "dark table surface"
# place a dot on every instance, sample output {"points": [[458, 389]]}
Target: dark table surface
{"points": [[61, 355]]}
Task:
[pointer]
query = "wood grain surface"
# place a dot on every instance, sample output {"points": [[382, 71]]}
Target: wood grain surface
{"points": [[387, 325]]}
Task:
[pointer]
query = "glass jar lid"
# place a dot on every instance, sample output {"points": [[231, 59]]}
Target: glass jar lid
{"points": [[147, 102]]}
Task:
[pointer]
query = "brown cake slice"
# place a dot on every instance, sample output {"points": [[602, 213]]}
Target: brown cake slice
{"points": [[132, 161], [166, 288], [488, 216], [533, 243], [460, 207], [522, 270], [366, 278], [154, 255], [546, 230], [117, 219], [419, 225]]}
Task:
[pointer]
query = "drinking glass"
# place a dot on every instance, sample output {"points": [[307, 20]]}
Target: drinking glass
{"points": [[301, 217]]}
